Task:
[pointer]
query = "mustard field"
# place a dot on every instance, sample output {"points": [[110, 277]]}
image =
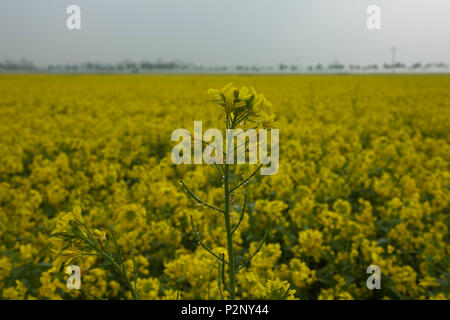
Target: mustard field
{"points": [[363, 180]]}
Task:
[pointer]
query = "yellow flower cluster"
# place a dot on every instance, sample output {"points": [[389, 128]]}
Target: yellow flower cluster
{"points": [[244, 105], [363, 180]]}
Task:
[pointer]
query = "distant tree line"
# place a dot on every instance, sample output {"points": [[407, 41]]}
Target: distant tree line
{"points": [[176, 66], [22, 65]]}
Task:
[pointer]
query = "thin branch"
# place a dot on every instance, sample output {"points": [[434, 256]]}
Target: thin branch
{"points": [[134, 269], [124, 270], [240, 117], [91, 254], [93, 295], [209, 144], [223, 274], [219, 170], [246, 180], [254, 254], [218, 280], [243, 144], [119, 251], [88, 231], [242, 214], [287, 291], [108, 248], [245, 131], [197, 236], [198, 199]]}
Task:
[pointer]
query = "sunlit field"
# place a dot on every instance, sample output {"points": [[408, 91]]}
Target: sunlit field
{"points": [[363, 180]]}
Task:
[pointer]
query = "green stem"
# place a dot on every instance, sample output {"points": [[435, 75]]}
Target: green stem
{"points": [[231, 258], [124, 271], [120, 271], [110, 259]]}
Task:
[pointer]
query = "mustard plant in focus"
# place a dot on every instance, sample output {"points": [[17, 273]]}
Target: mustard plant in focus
{"points": [[241, 108]]}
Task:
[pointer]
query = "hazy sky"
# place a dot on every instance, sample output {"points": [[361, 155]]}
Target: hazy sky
{"points": [[224, 32]]}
